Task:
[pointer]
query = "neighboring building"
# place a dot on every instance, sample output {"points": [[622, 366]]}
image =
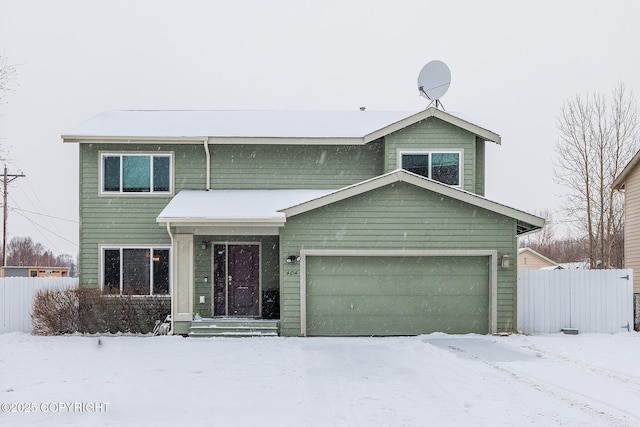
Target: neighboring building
{"points": [[629, 182], [528, 259], [358, 223], [13, 271]]}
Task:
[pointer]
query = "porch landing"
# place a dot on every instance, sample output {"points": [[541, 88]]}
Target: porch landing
{"points": [[234, 327]]}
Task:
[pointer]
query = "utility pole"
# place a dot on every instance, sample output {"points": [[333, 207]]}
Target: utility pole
{"points": [[6, 179]]}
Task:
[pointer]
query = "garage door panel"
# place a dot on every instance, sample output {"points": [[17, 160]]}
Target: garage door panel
{"points": [[396, 295], [402, 305]]}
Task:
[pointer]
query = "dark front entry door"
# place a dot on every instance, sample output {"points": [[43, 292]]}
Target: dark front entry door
{"points": [[236, 280]]}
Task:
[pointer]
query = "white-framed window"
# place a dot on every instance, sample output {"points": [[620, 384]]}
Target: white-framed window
{"points": [[136, 270], [442, 166], [136, 173]]}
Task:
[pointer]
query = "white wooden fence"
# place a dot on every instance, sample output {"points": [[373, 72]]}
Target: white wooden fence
{"points": [[589, 301], [16, 298]]}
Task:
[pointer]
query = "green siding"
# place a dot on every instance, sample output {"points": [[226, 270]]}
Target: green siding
{"points": [[293, 166], [126, 219], [394, 217], [434, 134], [397, 295], [398, 216], [130, 219]]}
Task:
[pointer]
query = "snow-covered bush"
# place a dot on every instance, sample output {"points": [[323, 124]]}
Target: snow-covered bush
{"points": [[67, 311], [55, 312]]}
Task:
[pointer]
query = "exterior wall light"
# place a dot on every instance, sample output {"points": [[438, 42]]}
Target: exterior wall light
{"points": [[505, 261], [204, 245], [293, 259]]}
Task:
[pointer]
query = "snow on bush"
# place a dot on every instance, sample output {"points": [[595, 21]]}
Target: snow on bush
{"points": [[66, 311]]}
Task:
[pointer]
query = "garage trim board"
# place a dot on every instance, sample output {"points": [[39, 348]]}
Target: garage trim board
{"points": [[492, 255]]}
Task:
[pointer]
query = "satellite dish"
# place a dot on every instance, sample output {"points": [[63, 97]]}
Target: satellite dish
{"points": [[433, 81]]}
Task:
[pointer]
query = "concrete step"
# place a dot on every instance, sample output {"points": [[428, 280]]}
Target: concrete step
{"points": [[233, 327]]}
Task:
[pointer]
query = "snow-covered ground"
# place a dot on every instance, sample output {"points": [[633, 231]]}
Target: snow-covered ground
{"points": [[430, 380]]}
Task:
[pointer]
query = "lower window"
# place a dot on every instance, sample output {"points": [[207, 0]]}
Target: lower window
{"points": [[135, 271]]}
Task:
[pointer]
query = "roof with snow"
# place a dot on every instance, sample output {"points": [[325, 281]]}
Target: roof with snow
{"points": [[272, 207], [258, 126], [234, 206]]}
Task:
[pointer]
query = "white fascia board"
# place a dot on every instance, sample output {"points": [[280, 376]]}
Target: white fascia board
{"points": [[73, 139], [231, 222], [285, 141], [229, 230], [621, 180], [78, 139], [485, 134], [338, 195], [473, 199], [401, 175]]}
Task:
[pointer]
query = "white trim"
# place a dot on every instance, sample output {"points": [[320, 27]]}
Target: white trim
{"points": [[401, 175], [101, 268], [492, 254], [115, 139], [245, 222], [103, 153], [216, 140], [485, 134], [286, 141], [402, 151], [231, 230], [385, 125]]}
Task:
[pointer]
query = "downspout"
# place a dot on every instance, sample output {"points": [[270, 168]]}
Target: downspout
{"points": [[208, 165], [172, 274]]}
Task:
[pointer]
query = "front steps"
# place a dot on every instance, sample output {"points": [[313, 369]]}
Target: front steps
{"points": [[234, 327]]}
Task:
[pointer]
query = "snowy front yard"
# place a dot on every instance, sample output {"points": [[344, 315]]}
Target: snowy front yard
{"points": [[432, 380]]}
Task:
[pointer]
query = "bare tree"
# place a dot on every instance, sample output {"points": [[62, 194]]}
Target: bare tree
{"points": [[597, 139], [23, 251], [7, 75]]}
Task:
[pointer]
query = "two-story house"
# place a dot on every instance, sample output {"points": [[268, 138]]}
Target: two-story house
{"points": [[361, 222]]}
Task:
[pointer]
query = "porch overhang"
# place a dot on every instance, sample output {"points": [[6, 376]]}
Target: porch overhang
{"points": [[232, 212]]}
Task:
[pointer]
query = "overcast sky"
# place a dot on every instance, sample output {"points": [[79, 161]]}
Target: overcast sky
{"points": [[513, 64]]}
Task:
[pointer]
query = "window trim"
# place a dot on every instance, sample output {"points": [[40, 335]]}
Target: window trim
{"points": [[103, 248], [404, 151], [151, 154]]}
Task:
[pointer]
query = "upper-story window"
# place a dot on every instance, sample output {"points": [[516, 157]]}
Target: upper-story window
{"points": [[136, 173], [442, 166]]}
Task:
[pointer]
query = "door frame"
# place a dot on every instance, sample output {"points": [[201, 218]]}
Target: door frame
{"points": [[491, 254], [226, 278]]}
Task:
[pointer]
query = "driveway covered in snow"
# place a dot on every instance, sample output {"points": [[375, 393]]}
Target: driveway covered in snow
{"points": [[437, 379]]}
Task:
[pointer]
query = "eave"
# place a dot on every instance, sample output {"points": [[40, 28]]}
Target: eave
{"points": [[526, 223], [620, 181], [485, 134]]}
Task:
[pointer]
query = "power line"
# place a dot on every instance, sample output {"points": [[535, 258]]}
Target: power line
{"points": [[46, 229], [45, 215]]}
